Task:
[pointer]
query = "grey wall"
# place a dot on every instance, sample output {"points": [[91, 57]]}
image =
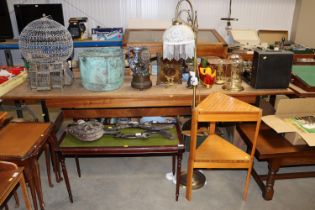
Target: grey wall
{"points": [[252, 14], [303, 25]]}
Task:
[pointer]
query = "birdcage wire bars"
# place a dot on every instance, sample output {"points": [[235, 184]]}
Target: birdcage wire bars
{"points": [[46, 45]]}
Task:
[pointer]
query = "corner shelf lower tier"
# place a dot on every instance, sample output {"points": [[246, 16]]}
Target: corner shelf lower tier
{"points": [[216, 152]]}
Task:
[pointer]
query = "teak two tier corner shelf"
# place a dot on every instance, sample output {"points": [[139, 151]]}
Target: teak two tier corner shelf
{"points": [[216, 152]]}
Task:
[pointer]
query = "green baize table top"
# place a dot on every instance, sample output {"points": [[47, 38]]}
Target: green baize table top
{"points": [[110, 141], [306, 73]]}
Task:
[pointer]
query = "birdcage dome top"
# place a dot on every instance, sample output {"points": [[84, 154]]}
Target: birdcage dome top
{"points": [[44, 41]]}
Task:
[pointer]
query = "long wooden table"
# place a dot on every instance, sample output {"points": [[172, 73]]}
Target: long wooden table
{"points": [[127, 102], [299, 92], [279, 153]]}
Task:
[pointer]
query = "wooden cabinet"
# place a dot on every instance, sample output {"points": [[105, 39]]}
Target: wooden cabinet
{"points": [[216, 152], [209, 41]]}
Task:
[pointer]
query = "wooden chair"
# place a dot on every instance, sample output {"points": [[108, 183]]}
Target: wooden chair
{"points": [[3, 116], [10, 176], [216, 152]]}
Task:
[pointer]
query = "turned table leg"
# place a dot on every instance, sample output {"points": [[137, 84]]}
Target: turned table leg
{"points": [[273, 168]]}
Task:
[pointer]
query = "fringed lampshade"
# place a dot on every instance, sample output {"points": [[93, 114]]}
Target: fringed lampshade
{"points": [[178, 42]]}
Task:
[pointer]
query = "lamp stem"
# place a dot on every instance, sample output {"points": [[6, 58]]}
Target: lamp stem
{"points": [[195, 70], [178, 11]]}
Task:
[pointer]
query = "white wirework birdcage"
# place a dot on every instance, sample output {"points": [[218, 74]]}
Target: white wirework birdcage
{"points": [[46, 45]]}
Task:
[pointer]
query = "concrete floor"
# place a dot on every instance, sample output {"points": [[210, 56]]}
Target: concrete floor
{"points": [[139, 183]]}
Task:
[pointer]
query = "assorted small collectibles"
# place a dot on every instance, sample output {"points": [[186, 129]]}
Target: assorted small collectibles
{"points": [[139, 59], [93, 130], [207, 73]]}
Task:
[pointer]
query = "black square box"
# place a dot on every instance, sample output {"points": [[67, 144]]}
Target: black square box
{"points": [[271, 69]]}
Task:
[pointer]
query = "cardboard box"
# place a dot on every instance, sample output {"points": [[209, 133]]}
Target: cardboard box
{"points": [[246, 38], [295, 119], [107, 34], [272, 36]]}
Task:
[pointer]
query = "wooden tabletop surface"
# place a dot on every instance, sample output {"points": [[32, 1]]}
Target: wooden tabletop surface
{"points": [[301, 92], [272, 145], [223, 104], [28, 136], [176, 95]]}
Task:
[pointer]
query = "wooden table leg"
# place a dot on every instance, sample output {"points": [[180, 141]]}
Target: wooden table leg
{"points": [[53, 144], [178, 173], [45, 111], [173, 164], [28, 168], [77, 163], [46, 148], [24, 192], [273, 168], [16, 198], [18, 106], [37, 182], [65, 175]]}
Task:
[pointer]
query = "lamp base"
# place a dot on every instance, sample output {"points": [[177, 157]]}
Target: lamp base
{"points": [[198, 179]]}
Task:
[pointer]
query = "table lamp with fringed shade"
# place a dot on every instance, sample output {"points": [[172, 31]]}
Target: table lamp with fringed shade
{"points": [[180, 42]]}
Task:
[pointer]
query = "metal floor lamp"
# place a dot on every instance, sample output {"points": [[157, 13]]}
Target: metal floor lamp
{"points": [[180, 42]]}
